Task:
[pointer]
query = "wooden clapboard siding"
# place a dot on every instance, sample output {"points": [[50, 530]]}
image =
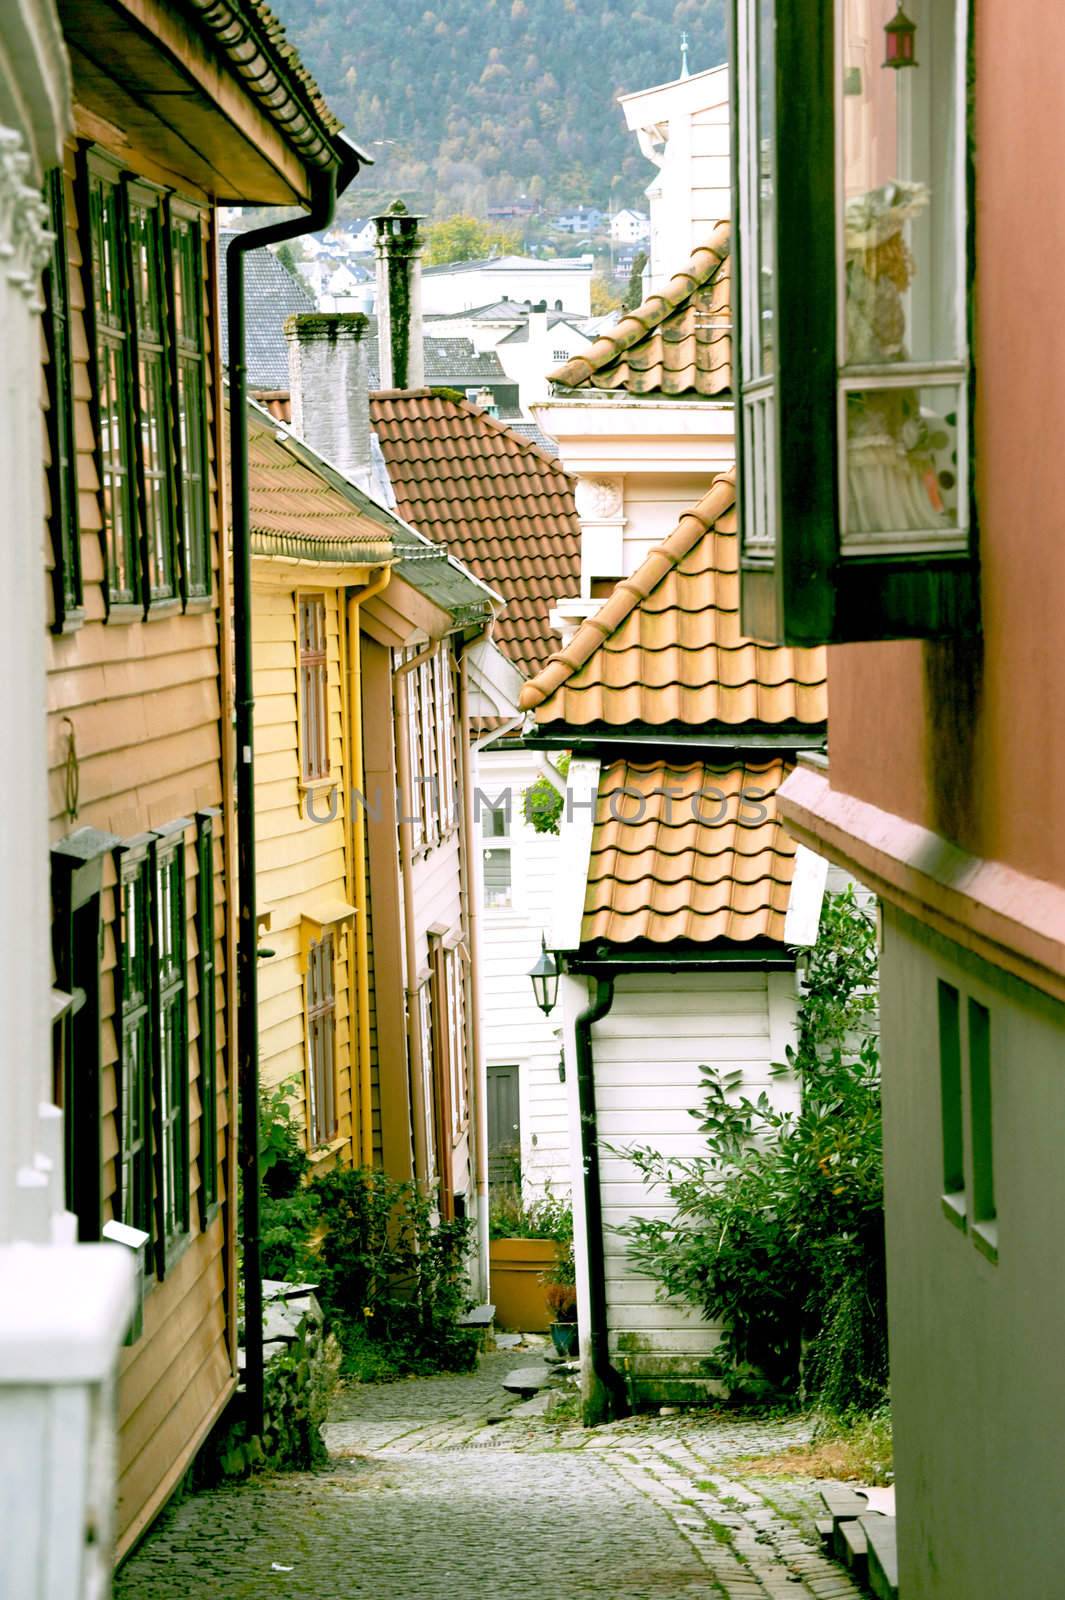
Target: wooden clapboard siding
{"points": [[300, 864], [142, 703], [515, 1029], [647, 1053]]}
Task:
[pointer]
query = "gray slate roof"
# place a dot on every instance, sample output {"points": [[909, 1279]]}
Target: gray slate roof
{"points": [[271, 294]]}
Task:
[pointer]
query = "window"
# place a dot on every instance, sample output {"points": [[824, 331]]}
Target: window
{"points": [[171, 1085], [559, 355], [77, 888], [313, 689], [205, 936], [152, 414], [190, 389], [146, 254], [153, 1109], [455, 985], [428, 1035], [980, 1109], [432, 748], [954, 1204], [321, 1042], [114, 388], [851, 350], [496, 854], [134, 1200], [68, 606]]}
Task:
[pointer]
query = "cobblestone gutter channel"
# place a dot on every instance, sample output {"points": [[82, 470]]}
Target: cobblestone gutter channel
{"points": [[425, 1500]]}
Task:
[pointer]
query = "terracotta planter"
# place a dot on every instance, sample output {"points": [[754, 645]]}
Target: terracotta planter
{"points": [[519, 1297]]}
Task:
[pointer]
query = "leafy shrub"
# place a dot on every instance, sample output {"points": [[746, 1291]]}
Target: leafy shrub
{"points": [[288, 1208], [389, 1274], [511, 1216], [541, 803], [778, 1233]]}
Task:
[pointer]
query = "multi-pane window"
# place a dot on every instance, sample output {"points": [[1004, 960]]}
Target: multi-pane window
{"points": [[63, 477], [321, 1041], [205, 936], [135, 1088], [114, 385], [313, 688], [171, 1075], [147, 305], [851, 266], [496, 854], [151, 416], [190, 387], [455, 984], [432, 749], [427, 1026], [153, 1109]]}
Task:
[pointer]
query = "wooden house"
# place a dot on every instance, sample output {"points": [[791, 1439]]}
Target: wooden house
{"points": [[681, 906], [176, 107], [364, 633]]}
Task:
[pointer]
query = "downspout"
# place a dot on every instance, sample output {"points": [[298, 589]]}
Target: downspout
{"points": [[604, 1397], [478, 1078], [323, 203], [357, 808], [401, 716]]}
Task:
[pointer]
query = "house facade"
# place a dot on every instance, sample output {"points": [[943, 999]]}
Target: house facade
{"points": [[630, 227], [943, 615], [140, 806], [678, 911], [566, 283], [506, 510]]}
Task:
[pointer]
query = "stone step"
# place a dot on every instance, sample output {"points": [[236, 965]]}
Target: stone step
{"points": [[826, 1529], [843, 1505], [883, 1577], [527, 1380], [851, 1547]]}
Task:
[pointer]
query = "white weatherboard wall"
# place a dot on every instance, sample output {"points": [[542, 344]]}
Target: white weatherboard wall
{"points": [[976, 1345], [515, 1029], [647, 1054]]}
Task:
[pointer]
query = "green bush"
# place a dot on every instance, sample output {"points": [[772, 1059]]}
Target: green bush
{"points": [[542, 805], [778, 1233], [392, 1275], [510, 1216], [288, 1208]]}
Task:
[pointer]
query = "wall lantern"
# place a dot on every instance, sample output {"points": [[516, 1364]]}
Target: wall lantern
{"points": [[545, 976], [900, 39]]}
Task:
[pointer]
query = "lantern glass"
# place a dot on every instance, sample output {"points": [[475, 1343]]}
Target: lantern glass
{"points": [[900, 37], [544, 976]]}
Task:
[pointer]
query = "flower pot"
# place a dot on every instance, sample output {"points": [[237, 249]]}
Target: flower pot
{"points": [[514, 1267], [564, 1339]]}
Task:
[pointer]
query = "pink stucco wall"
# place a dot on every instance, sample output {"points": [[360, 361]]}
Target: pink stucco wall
{"points": [[966, 740]]}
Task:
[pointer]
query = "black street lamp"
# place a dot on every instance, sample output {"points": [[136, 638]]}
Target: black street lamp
{"points": [[545, 976]]}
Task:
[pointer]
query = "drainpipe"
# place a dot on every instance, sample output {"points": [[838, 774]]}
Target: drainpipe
{"points": [[604, 1397], [478, 1077], [356, 599], [323, 202], [401, 716]]}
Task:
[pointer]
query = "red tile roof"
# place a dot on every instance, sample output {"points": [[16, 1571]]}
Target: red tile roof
{"points": [[678, 342], [667, 648], [693, 851], [502, 505]]}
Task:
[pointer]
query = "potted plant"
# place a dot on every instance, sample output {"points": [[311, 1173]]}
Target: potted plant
{"points": [[561, 1294], [525, 1240]]}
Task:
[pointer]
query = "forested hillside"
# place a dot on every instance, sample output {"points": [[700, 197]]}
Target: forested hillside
{"points": [[467, 104]]}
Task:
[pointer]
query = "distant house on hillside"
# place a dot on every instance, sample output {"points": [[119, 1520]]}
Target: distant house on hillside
{"points": [[630, 227], [581, 220], [463, 284]]}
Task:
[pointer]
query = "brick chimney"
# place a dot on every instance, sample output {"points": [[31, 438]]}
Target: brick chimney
{"points": [[330, 388], [400, 342]]}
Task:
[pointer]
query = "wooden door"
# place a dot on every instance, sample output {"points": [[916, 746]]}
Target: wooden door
{"points": [[504, 1126]]}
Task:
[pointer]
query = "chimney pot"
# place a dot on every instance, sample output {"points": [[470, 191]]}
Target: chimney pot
{"points": [[330, 390], [401, 345]]}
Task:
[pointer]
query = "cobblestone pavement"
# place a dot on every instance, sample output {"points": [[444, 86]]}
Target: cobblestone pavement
{"points": [[425, 1499]]}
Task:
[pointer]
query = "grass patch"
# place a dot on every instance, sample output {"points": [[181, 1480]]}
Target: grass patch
{"points": [[854, 1449]]}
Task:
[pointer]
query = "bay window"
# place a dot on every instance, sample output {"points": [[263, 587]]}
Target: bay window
{"points": [[853, 375]]}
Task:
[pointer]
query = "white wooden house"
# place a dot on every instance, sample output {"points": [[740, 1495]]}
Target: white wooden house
{"points": [[677, 908]]}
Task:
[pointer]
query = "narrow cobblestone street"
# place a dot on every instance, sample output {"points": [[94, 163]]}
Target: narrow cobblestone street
{"points": [[425, 1499]]}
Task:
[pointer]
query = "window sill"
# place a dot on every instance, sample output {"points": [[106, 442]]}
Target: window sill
{"points": [[322, 1152], [985, 1238], [315, 785], [70, 622], [197, 604], [954, 1209], [168, 607], [125, 611]]}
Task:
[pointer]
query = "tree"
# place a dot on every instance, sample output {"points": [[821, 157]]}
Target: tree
{"points": [[604, 297], [634, 293], [287, 257], [465, 238]]}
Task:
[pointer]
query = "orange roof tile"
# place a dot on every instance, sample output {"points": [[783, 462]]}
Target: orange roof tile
{"points": [[679, 342], [302, 510], [693, 852], [500, 503], [667, 648]]}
